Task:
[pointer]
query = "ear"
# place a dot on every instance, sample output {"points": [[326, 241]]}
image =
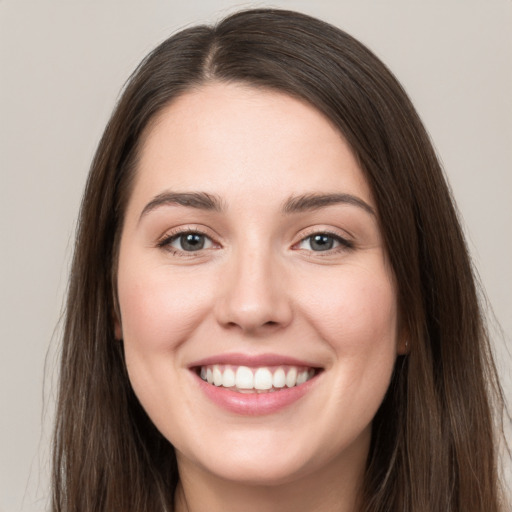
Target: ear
{"points": [[403, 344], [115, 314], [118, 330]]}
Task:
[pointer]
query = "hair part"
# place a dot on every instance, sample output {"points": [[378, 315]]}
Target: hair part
{"points": [[433, 441]]}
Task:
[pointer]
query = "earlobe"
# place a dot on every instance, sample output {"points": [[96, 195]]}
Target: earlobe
{"points": [[403, 337], [118, 328], [116, 318], [403, 348], [403, 345], [118, 331]]}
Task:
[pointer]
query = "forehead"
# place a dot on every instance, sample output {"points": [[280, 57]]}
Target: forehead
{"points": [[238, 139]]}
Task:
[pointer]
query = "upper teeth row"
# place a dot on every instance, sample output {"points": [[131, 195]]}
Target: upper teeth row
{"points": [[243, 377]]}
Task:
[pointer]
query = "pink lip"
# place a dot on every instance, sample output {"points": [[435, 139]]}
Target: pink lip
{"points": [[253, 404], [252, 360]]}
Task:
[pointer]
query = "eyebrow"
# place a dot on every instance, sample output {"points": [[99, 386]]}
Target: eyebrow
{"points": [[199, 200], [309, 202], [295, 204]]}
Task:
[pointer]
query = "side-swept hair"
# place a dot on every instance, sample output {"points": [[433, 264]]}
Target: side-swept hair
{"points": [[433, 442]]}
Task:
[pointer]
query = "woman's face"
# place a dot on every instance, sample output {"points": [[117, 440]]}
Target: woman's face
{"points": [[257, 308]]}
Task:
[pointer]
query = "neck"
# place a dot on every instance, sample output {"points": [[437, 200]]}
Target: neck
{"points": [[330, 489]]}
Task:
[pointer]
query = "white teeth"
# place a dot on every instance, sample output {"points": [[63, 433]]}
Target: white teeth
{"points": [[217, 376], [228, 379], [255, 380], [262, 378], [244, 378], [279, 378], [291, 378], [302, 377]]}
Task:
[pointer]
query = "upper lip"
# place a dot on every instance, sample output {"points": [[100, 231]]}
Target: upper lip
{"points": [[252, 360]]}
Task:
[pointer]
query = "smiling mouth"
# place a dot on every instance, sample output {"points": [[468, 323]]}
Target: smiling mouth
{"points": [[264, 379]]}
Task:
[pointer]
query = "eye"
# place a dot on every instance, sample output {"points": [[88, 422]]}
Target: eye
{"points": [[319, 242], [190, 241]]}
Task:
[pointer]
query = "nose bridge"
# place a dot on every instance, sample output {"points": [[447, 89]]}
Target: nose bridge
{"points": [[254, 293]]}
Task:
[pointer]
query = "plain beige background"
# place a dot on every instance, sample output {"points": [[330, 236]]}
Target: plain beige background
{"points": [[62, 64]]}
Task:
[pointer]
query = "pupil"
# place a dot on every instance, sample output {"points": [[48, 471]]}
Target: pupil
{"points": [[192, 242], [321, 242]]}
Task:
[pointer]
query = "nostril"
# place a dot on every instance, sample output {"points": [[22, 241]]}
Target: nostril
{"points": [[253, 311], [269, 324]]}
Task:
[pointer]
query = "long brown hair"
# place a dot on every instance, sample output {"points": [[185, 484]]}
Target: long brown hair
{"points": [[433, 443]]}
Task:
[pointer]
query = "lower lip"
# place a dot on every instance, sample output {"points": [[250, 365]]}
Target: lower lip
{"points": [[255, 404]]}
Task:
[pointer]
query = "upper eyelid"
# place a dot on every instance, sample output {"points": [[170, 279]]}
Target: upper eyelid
{"points": [[164, 242], [173, 233], [317, 230], [344, 242], [182, 230]]}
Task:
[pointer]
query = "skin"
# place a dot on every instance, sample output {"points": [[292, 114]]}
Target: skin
{"points": [[257, 287]]}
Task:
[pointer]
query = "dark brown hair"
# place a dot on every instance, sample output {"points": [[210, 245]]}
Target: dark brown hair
{"points": [[433, 443]]}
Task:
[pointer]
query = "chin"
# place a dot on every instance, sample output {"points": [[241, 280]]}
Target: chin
{"points": [[267, 471], [278, 458]]}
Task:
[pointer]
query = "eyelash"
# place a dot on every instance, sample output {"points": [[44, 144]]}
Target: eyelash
{"points": [[169, 238], [344, 244]]}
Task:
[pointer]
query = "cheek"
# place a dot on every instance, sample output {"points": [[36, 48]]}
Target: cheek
{"points": [[159, 312], [356, 315], [359, 322], [158, 309], [358, 311]]}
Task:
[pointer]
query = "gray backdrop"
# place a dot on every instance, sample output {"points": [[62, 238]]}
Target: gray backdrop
{"points": [[62, 64]]}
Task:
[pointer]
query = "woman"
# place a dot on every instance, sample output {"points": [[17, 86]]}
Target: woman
{"points": [[271, 304]]}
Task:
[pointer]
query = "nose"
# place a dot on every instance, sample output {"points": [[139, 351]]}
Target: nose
{"points": [[254, 295]]}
